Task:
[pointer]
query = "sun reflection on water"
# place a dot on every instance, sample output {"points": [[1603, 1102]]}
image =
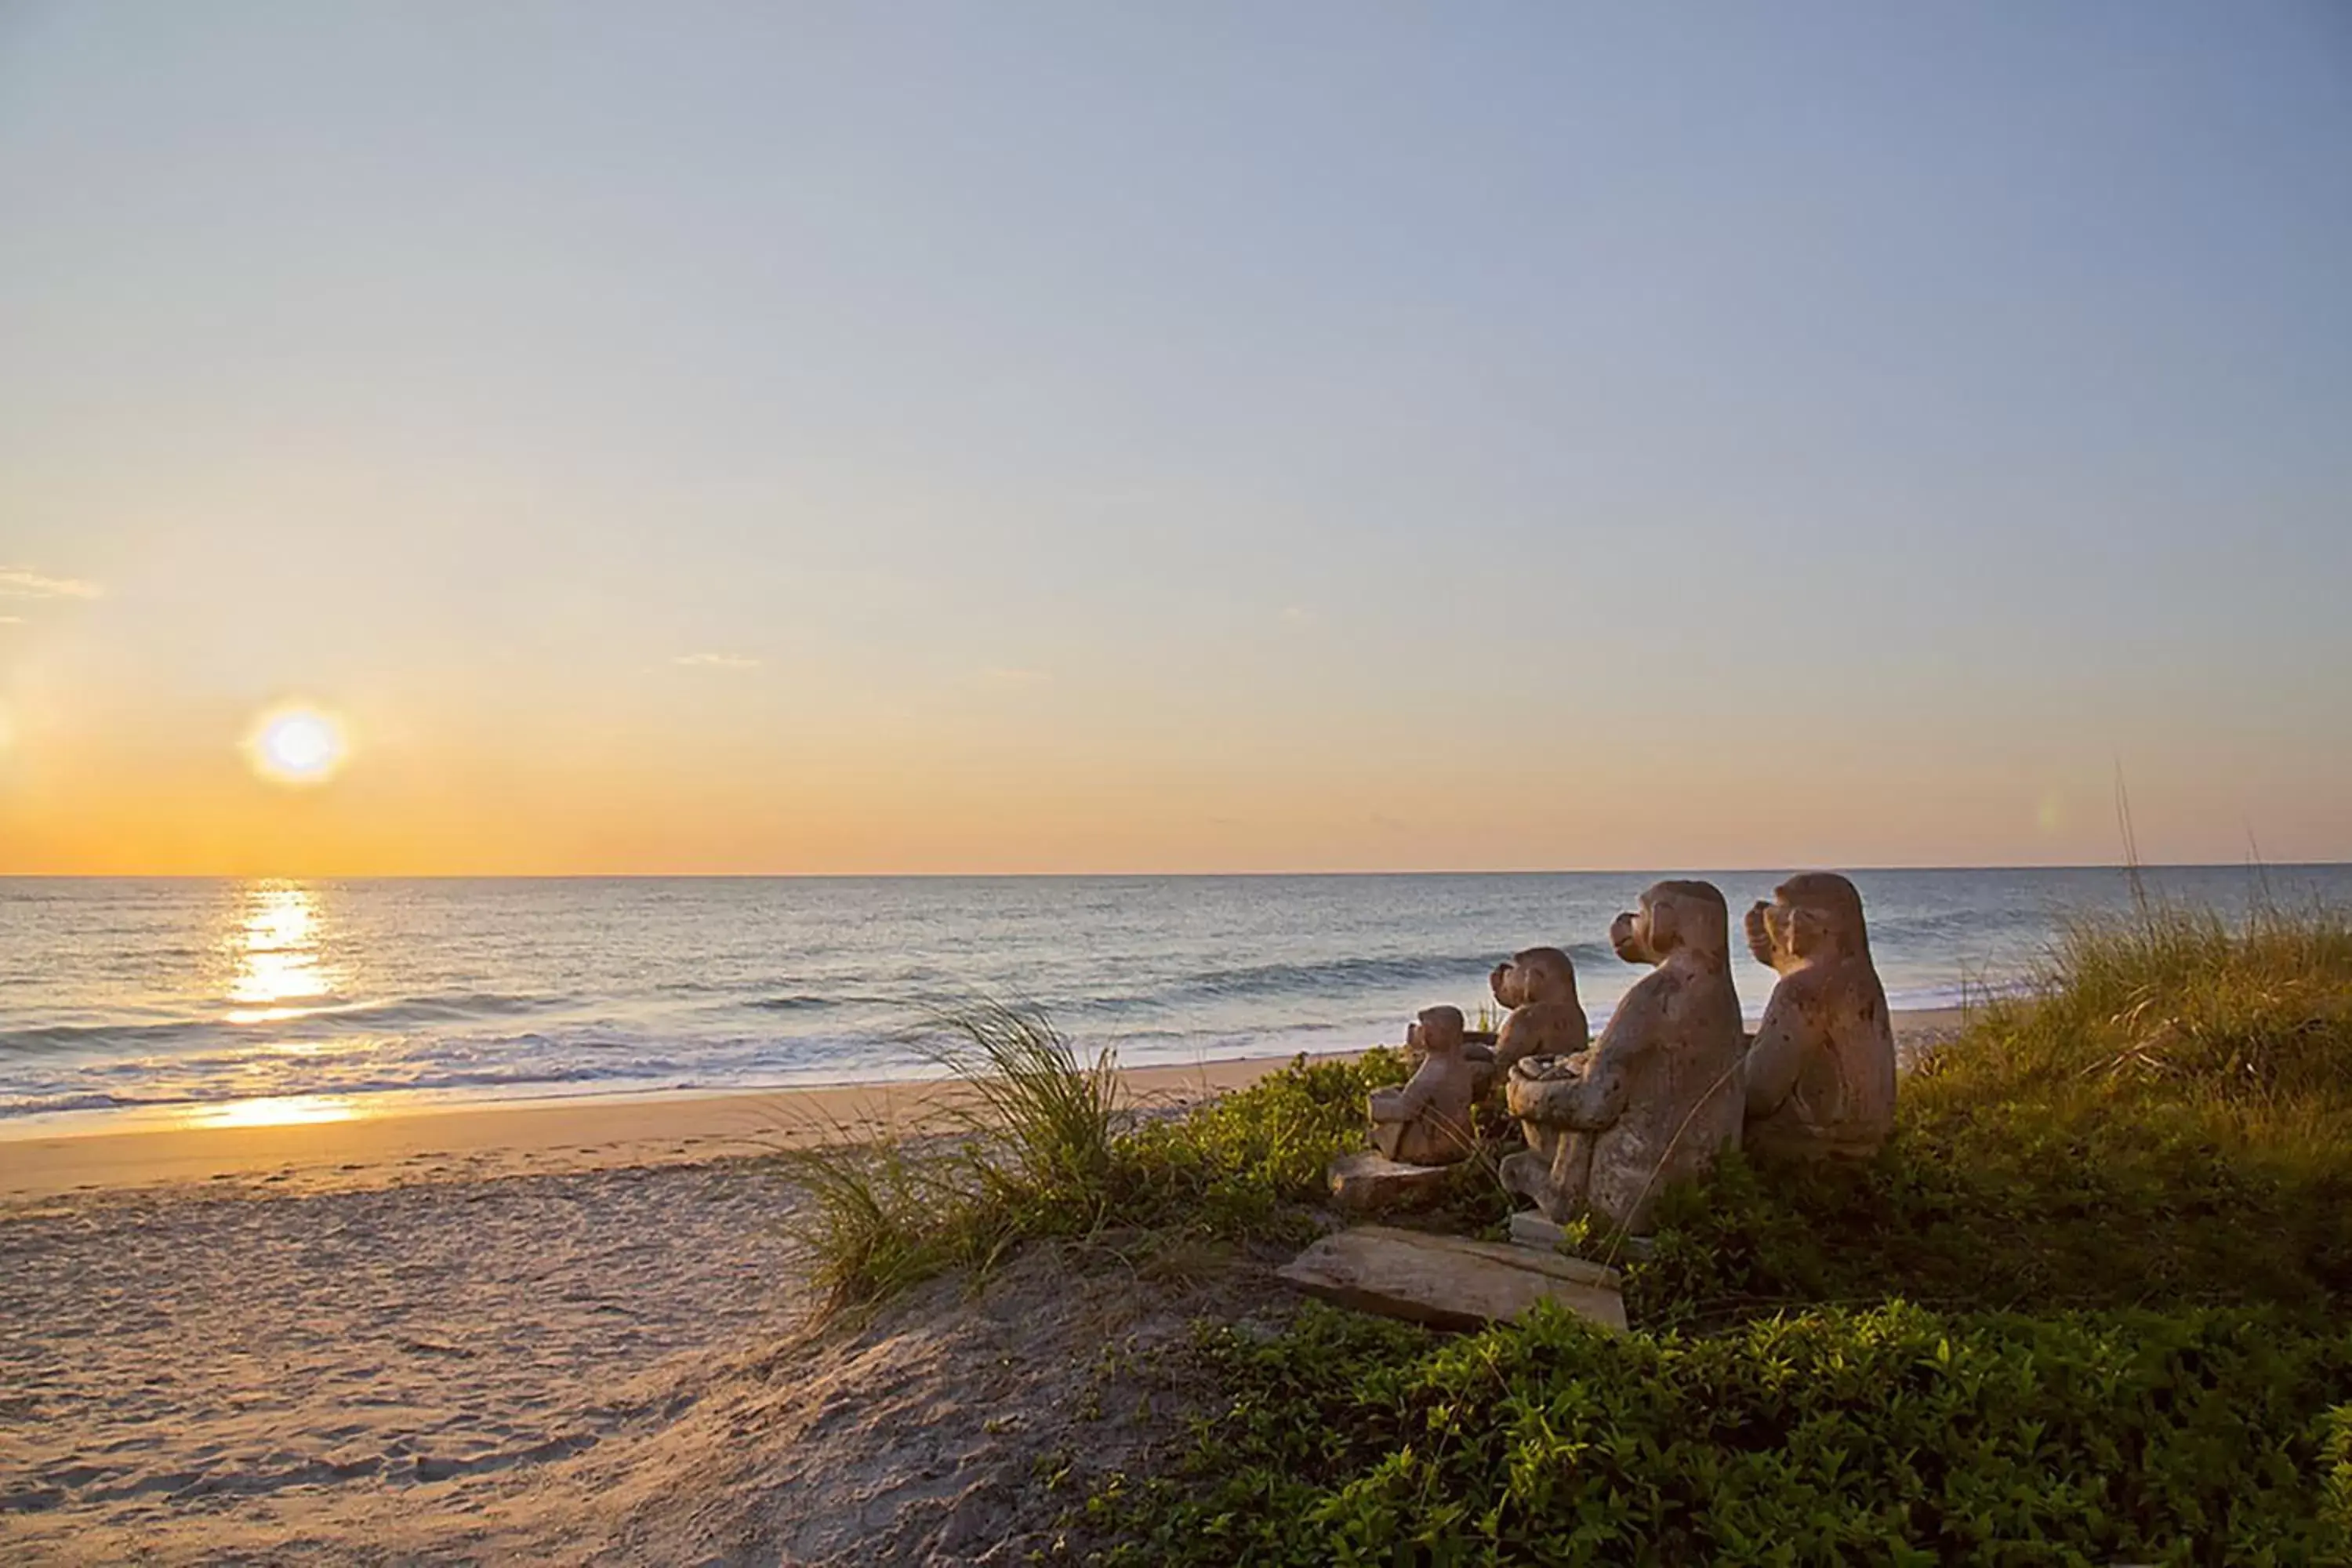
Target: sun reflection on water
{"points": [[276, 1110], [279, 970]]}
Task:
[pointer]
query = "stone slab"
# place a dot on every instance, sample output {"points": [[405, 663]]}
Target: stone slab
{"points": [[1369, 1182], [1448, 1282]]}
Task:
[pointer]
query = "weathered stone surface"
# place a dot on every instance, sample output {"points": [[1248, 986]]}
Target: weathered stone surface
{"points": [[1546, 1019], [1820, 1072], [1477, 1049], [1427, 1121], [1369, 1182], [1659, 1097], [1530, 1229], [1448, 1282]]}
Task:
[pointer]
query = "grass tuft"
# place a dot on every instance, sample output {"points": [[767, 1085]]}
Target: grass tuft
{"points": [[2255, 1015], [1048, 1147], [866, 1224], [1044, 1119]]}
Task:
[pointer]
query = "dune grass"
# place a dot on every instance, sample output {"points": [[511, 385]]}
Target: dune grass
{"points": [[1031, 1156]]}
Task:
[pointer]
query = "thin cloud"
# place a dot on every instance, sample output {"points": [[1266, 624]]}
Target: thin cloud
{"points": [[12, 620], [1008, 675], [23, 582], [1299, 615], [718, 661]]}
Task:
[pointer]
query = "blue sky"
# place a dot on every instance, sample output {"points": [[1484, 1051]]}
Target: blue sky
{"points": [[1084, 438]]}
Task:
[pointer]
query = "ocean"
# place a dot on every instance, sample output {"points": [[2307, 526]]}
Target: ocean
{"points": [[177, 998]]}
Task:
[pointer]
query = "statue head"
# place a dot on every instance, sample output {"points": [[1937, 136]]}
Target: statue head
{"points": [[1538, 975], [1817, 914], [1676, 917], [1436, 1032]]}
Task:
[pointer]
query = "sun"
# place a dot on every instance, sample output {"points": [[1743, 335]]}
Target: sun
{"points": [[296, 745]]}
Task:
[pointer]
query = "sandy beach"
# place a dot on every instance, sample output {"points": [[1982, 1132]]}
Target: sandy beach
{"points": [[516, 1333]]}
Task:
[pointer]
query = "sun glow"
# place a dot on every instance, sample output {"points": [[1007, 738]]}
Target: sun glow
{"points": [[296, 745]]}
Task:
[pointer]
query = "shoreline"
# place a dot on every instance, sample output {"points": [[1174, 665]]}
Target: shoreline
{"points": [[315, 1148]]}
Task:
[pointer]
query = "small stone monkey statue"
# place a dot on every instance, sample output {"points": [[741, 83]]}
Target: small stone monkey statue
{"points": [[1546, 1019], [1427, 1121]]}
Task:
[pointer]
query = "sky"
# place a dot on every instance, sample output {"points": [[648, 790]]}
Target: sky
{"points": [[1072, 437]]}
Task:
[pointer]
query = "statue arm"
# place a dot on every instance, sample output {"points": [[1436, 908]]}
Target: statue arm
{"points": [[1602, 1094], [1784, 1040], [1509, 1047], [1590, 1097], [1418, 1092]]}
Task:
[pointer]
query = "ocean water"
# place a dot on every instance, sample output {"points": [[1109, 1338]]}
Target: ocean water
{"points": [[120, 995]]}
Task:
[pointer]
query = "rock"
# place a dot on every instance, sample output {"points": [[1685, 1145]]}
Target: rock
{"points": [[1369, 1182], [1448, 1282]]}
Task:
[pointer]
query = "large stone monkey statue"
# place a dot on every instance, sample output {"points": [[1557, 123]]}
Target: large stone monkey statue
{"points": [[1820, 1072], [1660, 1096]]}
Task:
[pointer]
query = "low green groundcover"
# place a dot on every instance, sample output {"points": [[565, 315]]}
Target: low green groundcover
{"points": [[1893, 1434]]}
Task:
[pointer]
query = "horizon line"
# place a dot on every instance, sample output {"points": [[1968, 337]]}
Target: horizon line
{"points": [[2256, 867]]}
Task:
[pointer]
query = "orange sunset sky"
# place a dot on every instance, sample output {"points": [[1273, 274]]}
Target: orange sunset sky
{"points": [[726, 440]]}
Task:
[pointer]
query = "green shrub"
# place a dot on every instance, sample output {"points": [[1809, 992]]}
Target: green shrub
{"points": [[1235, 1166], [2336, 1496], [1892, 1435]]}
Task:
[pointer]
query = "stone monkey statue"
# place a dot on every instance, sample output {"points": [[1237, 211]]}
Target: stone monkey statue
{"points": [[1546, 1019], [1427, 1121], [1659, 1097], [1820, 1071]]}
